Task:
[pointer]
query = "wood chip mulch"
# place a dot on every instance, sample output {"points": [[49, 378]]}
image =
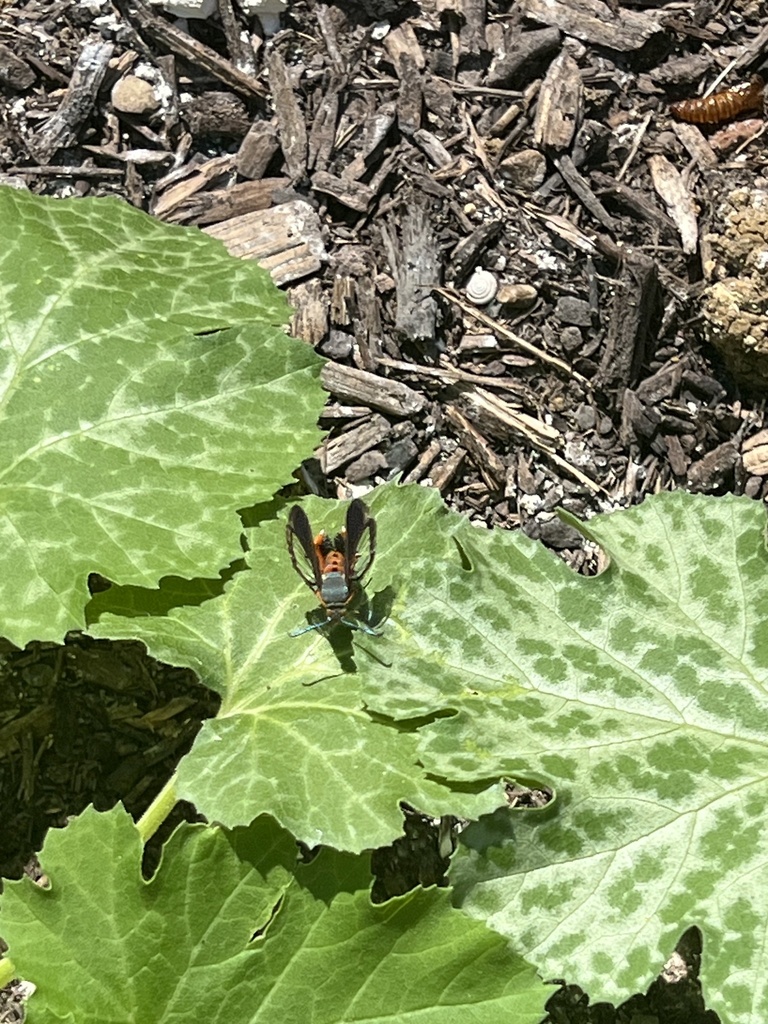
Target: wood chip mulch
{"points": [[536, 285], [395, 166]]}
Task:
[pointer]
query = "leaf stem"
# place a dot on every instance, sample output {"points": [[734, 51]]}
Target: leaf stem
{"points": [[158, 810], [7, 972]]}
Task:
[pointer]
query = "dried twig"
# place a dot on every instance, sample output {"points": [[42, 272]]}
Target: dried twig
{"points": [[190, 49], [504, 332]]}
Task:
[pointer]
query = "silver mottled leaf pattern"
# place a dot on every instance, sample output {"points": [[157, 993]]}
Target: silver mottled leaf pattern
{"points": [[147, 391]]}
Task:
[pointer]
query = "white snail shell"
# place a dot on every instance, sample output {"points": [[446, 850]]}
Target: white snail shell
{"points": [[482, 287]]}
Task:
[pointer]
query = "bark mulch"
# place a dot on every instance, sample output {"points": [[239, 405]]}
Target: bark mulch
{"points": [[531, 249]]}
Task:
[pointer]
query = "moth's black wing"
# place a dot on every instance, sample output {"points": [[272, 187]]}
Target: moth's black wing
{"points": [[360, 540], [298, 529]]}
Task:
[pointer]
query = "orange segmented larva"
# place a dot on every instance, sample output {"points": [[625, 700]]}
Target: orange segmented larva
{"points": [[722, 106]]}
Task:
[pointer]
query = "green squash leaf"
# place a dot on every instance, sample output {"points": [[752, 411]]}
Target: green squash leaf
{"points": [[646, 710], [102, 944], [295, 737], [146, 391], [638, 696]]}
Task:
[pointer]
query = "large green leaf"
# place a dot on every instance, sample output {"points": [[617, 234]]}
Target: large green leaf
{"points": [[646, 710], [639, 696], [146, 391], [102, 945], [293, 737]]}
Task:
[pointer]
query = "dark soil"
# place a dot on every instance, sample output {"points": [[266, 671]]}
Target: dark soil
{"points": [[408, 145]]}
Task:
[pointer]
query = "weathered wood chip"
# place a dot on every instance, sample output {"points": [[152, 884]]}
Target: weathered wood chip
{"points": [[76, 105], [131, 156], [217, 113], [472, 33], [352, 194], [634, 201], [751, 49], [595, 22], [353, 385], [286, 240], [754, 454], [522, 50], [635, 314], [581, 189], [566, 229], [685, 70], [179, 191], [402, 41], [13, 70], [189, 48], [471, 249], [238, 42], [447, 373], [426, 459], [310, 316], [224, 203], [290, 120], [637, 420], [410, 98], [415, 263], [663, 384], [678, 460], [329, 22], [442, 475], [696, 144], [322, 132], [558, 111], [500, 419], [712, 471], [257, 149], [489, 465], [756, 441], [367, 323], [373, 136], [340, 450], [671, 189], [432, 147]]}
